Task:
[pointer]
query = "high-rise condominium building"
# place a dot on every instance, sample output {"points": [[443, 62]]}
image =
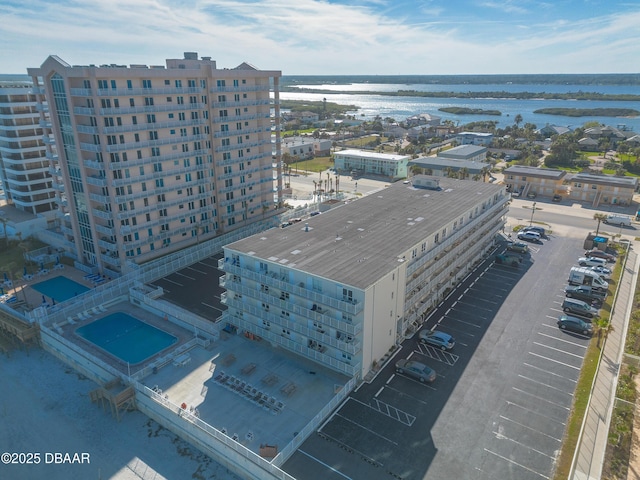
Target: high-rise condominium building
{"points": [[24, 168], [154, 158]]}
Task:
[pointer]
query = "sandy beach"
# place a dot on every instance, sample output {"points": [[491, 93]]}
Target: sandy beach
{"points": [[46, 415]]}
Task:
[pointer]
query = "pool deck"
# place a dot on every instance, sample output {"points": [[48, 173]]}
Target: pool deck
{"points": [[302, 388], [68, 331], [34, 297]]}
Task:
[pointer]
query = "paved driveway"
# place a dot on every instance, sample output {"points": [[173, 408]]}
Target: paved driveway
{"points": [[499, 406]]}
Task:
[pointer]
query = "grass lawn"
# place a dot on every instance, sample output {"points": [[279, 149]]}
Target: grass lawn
{"points": [[317, 164]]}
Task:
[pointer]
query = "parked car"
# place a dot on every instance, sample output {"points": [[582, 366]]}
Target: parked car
{"points": [[518, 247], [578, 307], [313, 214], [574, 324], [604, 272], [531, 195], [600, 254], [532, 237], [591, 262], [586, 294], [513, 260], [285, 224], [538, 230], [438, 339], [556, 198], [416, 370]]}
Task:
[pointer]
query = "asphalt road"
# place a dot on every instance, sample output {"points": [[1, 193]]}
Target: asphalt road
{"points": [[499, 406]]}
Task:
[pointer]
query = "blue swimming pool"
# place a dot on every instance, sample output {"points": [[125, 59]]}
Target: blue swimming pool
{"points": [[126, 337], [60, 288]]}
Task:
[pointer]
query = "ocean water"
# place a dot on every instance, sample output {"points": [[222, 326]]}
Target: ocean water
{"points": [[369, 105]]}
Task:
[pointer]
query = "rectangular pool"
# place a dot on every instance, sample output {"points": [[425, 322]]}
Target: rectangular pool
{"points": [[60, 288], [126, 337]]}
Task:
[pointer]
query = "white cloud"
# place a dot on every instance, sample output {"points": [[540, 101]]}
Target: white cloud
{"points": [[316, 36]]}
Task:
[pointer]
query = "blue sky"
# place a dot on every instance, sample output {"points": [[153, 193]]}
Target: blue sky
{"points": [[331, 37]]}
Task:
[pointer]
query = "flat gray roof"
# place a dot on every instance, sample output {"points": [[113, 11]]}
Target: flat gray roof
{"points": [[535, 172], [442, 163], [358, 243], [628, 182], [462, 151]]}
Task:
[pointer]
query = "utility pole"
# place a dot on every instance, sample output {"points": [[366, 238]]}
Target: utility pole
{"points": [[533, 210]]}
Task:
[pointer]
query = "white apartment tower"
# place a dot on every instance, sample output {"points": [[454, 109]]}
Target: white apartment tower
{"points": [[24, 168], [157, 158]]}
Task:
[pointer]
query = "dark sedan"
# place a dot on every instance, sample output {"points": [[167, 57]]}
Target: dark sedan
{"points": [[416, 370], [575, 324]]}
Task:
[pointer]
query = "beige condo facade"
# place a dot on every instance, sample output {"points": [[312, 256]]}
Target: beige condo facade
{"points": [[153, 159]]}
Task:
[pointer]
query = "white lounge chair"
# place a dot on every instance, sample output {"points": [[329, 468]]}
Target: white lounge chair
{"points": [[71, 321]]}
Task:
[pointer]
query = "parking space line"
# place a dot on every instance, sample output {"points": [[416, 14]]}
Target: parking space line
{"points": [[563, 340], [404, 394], [171, 281], [466, 323], [459, 332], [515, 463], [183, 275], [554, 361], [437, 354], [539, 398], [529, 411], [545, 385], [213, 266], [323, 464], [500, 436], [395, 413], [529, 428], [190, 267], [211, 307], [558, 350], [547, 372], [367, 429], [379, 392]]}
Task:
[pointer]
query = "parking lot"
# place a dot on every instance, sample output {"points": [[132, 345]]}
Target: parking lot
{"points": [[195, 288], [499, 405]]}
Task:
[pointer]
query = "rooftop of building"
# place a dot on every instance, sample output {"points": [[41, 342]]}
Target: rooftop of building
{"points": [[605, 179], [373, 155], [428, 162], [535, 172], [358, 243], [463, 151], [477, 134]]}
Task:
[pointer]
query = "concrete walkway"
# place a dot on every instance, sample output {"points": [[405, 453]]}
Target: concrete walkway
{"points": [[589, 456]]}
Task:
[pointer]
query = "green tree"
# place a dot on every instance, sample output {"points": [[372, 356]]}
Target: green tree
{"points": [[599, 217], [602, 328], [517, 120]]}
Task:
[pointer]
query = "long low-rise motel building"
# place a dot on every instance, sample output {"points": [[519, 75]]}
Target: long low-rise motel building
{"points": [[346, 286]]}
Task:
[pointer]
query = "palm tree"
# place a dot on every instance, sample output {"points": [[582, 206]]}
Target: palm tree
{"points": [[599, 217], [602, 327], [463, 173], [517, 120]]}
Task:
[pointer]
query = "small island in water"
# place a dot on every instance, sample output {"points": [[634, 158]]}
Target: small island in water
{"points": [[469, 111], [590, 112]]}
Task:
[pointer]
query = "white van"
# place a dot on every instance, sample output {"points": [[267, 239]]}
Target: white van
{"points": [[586, 276], [620, 220]]}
